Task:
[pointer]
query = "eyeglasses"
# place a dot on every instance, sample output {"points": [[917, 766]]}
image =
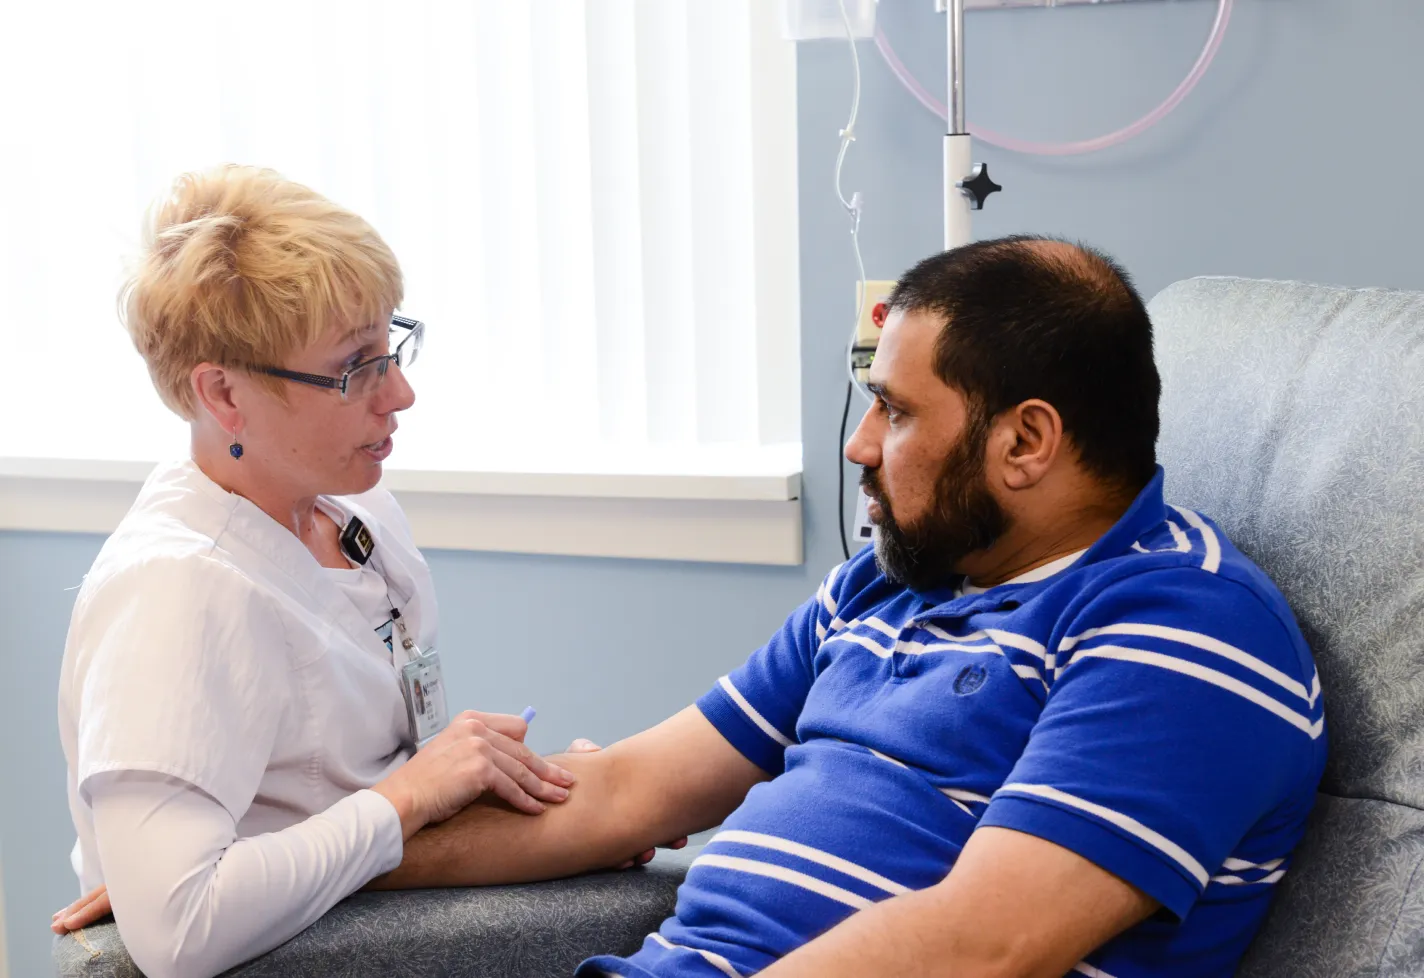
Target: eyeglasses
{"points": [[366, 377]]}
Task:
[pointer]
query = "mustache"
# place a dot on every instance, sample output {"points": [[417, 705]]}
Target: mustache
{"points": [[870, 484]]}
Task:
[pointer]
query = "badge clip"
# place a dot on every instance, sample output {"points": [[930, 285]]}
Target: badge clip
{"points": [[357, 542]]}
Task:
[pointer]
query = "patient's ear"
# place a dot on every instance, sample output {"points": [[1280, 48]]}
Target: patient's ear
{"points": [[1029, 438]]}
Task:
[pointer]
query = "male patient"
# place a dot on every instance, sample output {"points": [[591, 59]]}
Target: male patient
{"points": [[1050, 725]]}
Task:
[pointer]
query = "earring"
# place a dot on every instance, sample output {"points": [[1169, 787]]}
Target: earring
{"points": [[235, 449]]}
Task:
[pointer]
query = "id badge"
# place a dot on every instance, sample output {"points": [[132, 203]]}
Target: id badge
{"points": [[424, 691]]}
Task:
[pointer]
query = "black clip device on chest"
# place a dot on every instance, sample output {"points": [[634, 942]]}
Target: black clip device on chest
{"points": [[357, 542]]}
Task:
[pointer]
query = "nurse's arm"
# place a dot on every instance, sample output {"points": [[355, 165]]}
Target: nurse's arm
{"points": [[678, 778]]}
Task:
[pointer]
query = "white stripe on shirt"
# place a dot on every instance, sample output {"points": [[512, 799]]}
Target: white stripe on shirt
{"points": [[950, 793], [1125, 822], [904, 646], [1236, 865], [715, 960], [969, 796], [957, 795], [772, 871], [845, 635], [726, 683], [826, 599], [845, 866], [1020, 642], [1029, 672], [1238, 881], [1183, 544], [1219, 679], [1212, 561], [960, 805], [920, 648], [887, 757], [938, 632], [881, 627], [1197, 641], [1014, 641]]}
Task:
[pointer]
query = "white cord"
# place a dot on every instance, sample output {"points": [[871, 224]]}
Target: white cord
{"points": [[848, 133], [853, 206]]}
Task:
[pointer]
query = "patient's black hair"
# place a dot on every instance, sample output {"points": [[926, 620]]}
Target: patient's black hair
{"points": [[1032, 317]]}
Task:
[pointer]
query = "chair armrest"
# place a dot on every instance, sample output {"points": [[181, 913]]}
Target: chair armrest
{"points": [[532, 930]]}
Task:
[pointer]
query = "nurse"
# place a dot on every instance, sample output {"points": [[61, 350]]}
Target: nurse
{"points": [[238, 699]]}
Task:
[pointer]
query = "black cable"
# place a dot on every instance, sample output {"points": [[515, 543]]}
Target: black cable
{"points": [[840, 468]]}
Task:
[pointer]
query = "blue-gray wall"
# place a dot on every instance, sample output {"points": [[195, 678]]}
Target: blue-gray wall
{"points": [[1298, 157]]}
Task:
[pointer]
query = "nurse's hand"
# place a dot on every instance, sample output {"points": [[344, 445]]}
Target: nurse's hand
{"points": [[582, 746], [92, 906], [477, 753]]}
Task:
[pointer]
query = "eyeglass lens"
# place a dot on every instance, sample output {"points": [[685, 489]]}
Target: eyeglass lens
{"points": [[366, 379]]}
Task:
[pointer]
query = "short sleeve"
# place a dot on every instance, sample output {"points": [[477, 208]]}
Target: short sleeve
{"points": [[1179, 720], [180, 670], [756, 706]]}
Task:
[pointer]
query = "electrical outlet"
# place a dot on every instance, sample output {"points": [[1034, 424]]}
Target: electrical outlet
{"points": [[872, 320], [872, 312]]}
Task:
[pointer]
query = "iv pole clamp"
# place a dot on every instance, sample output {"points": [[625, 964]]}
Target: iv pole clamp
{"points": [[966, 184]]}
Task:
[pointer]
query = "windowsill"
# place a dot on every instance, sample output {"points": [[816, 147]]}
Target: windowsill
{"points": [[722, 506]]}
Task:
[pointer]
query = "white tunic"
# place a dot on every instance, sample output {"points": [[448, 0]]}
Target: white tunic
{"points": [[219, 684]]}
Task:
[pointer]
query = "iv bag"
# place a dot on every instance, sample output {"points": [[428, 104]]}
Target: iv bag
{"points": [[810, 20]]}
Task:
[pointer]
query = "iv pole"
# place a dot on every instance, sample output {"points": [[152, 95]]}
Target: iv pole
{"points": [[966, 187], [966, 184]]}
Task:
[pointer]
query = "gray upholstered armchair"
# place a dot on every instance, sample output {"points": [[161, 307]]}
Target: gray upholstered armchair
{"points": [[534, 930], [1294, 415]]}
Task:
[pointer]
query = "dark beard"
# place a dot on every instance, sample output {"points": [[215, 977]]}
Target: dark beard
{"points": [[964, 518]]}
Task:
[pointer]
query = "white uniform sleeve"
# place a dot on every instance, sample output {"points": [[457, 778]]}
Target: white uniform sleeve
{"points": [[182, 669], [192, 900]]}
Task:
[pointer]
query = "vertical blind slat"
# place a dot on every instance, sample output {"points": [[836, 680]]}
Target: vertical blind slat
{"points": [[514, 362], [566, 214], [721, 240], [771, 126], [664, 148], [617, 218]]}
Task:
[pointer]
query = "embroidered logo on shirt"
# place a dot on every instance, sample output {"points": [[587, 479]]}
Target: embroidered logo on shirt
{"points": [[970, 680]]}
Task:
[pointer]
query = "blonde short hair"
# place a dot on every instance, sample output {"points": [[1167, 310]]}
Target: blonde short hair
{"points": [[241, 267]]}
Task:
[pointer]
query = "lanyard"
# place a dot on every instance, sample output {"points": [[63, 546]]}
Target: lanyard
{"points": [[421, 683], [359, 546]]}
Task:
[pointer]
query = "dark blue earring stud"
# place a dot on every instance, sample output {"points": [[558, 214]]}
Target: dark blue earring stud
{"points": [[235, 449]]}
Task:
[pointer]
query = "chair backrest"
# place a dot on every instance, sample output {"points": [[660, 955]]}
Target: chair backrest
{"points": [[1294, 415]]}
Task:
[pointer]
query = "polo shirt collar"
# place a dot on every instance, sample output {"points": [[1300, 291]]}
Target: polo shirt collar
{"points": [[1147, 511]]}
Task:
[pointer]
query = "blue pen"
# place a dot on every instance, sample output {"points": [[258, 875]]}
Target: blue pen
{"points": [[528, 714]]}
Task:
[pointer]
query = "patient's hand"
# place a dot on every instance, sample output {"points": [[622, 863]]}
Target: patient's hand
{"points": [[582, 746]]}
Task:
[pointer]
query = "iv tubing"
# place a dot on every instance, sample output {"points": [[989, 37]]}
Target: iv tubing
{"points": [[853, 205], [1213, 44]]}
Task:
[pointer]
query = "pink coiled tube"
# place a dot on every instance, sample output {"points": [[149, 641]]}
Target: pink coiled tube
{"points": [[1213, 44]]}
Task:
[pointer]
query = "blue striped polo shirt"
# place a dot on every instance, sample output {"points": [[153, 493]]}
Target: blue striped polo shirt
{"points": [[1151, 706]]}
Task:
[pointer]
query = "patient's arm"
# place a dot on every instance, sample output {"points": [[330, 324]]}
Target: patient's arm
{"points": [[680, 777], [1013, 904]]}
